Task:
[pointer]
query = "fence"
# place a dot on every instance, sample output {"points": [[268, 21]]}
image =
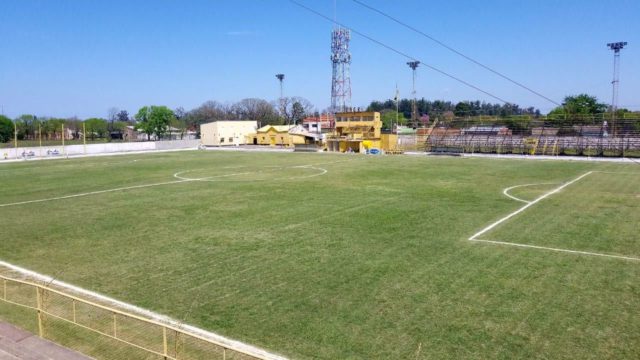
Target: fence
{"points": [[92, 149], [586, 136], [104, 332]]}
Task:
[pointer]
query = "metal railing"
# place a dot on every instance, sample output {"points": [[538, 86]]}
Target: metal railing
{"points": [[108, 333], [588, 136]]}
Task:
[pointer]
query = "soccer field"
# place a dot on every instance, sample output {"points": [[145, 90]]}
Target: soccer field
{"points": [[346, 256]]}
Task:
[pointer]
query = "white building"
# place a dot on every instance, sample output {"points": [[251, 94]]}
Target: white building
{"points": [[227, 132]]}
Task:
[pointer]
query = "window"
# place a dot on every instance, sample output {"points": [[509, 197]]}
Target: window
{"points": [[221, 140], [230, 139]]}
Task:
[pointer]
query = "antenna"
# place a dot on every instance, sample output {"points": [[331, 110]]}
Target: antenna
{"points": [[280, 78], [414, 110], [341, 74], [616, 47]]}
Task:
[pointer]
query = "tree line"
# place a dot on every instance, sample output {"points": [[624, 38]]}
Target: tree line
{"points": [[157, 121]]}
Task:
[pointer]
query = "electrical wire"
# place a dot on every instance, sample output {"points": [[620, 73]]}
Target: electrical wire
{"points": [[454, 51], [388, 47]]}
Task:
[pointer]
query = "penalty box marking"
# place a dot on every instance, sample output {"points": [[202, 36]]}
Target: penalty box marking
{"points": [[475, 237]]}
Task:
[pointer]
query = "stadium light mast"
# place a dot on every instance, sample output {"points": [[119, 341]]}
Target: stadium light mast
{"points": [[414, 110], [280, 78], [616, 47]]}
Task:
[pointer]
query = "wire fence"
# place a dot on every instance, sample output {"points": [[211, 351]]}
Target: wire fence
{"points": [[101, 331], [578, 136]]}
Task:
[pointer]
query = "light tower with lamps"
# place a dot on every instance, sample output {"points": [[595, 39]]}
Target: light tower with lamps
{"points": [[280, 78], [414, 110], [616, 47]]}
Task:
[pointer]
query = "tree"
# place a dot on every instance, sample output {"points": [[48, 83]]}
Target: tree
{"points": [[26, 125], [6, 129], [122, 116], [291, 113], [154, 120], [581, 104], [463, 108], [255, 109], [112, 114], [297, 113], [388, 117], [96, 127]]}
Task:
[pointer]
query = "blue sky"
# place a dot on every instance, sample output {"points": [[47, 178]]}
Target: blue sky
{"points": [[81, 57]]}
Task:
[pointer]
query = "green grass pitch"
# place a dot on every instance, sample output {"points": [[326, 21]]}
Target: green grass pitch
{"points": [[345, 256]]}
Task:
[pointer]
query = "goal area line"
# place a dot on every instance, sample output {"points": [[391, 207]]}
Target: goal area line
{"points": [[475, 237]]}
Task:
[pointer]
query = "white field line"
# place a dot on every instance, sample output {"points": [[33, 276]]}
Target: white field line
{"points": [[618, 172], [506, 191], [526, 206], [321, 171], [233, 344], [557, 249], [94, 193], [176, 175]]}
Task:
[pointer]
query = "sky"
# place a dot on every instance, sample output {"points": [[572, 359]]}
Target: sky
{"points": [[66, 58]]}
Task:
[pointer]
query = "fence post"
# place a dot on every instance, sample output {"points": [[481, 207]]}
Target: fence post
{"points": [[39, 311], [115, 326], [73, 305], [164, 341]]}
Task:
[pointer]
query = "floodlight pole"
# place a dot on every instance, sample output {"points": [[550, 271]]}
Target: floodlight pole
{"points": [[280, 78], [15, 136], [414, 111], [616, 47]]}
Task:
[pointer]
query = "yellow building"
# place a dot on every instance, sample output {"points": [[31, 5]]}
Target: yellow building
{"points": [[358, 132], [279, 135]]}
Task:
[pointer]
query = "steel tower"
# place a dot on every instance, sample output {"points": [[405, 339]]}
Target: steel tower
{"points": [[341, 76]]}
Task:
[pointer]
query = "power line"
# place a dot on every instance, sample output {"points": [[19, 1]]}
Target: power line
{"points": [[388, 47], [454, 50]]}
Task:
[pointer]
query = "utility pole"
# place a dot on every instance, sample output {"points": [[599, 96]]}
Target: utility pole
{"points": [[414, 110], [280, 78], [616, 47]]}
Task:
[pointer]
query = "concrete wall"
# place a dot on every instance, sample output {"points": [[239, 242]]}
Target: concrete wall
{"points": [[71, 150]]}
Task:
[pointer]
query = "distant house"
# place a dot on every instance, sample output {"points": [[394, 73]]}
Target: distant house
{"points": [[273, 135], [319, 124], [131, 134], [227, 132]]}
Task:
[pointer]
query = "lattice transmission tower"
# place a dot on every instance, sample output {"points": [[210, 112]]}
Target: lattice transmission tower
{"points": [[341, 75]]}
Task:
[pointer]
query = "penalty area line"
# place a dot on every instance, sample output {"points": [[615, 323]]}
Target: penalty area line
{"points": [[557, 249], [528, 205], [229, 343]]}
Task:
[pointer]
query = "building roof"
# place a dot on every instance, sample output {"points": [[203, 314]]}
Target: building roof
{"points": [[231, 121], [277, 128]]}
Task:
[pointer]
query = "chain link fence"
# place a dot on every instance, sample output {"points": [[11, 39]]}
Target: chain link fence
{"points": [[101, 331]]}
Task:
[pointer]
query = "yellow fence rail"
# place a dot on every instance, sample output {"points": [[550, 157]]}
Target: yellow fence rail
{"points": [[109, 333]]}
